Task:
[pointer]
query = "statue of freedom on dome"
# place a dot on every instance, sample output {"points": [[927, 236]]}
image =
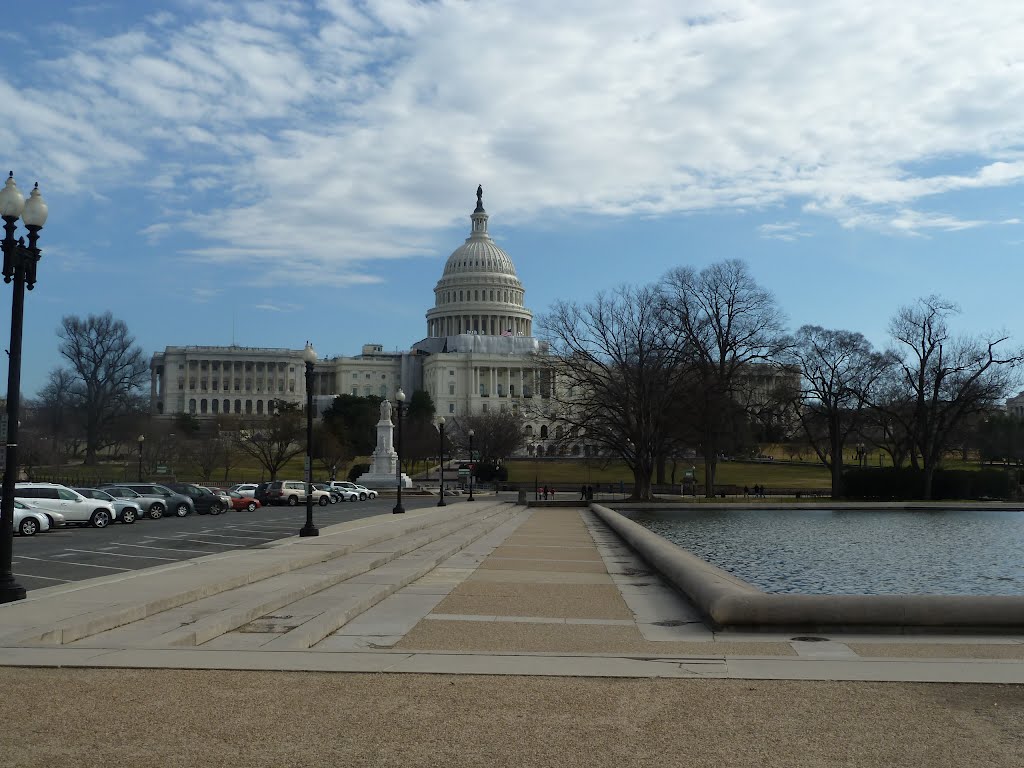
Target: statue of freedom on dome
{"points": [[479, 196]]}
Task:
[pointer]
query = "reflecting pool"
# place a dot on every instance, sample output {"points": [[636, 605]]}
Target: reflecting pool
{"points": [[865, 552]]}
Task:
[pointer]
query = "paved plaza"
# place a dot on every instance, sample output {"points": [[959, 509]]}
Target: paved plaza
{"points": [[479, 633]]}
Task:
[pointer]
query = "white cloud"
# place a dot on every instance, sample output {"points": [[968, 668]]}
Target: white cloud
{"points": [[330, 139], [788, 231]]}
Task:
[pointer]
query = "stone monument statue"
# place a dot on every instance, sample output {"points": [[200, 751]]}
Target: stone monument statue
{"points": [[384, 469]]}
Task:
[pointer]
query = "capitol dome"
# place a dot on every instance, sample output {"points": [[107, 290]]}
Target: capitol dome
{"points": [[479, 291]]}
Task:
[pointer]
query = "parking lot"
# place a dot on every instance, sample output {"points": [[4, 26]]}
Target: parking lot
{"points": [[74, 553]]}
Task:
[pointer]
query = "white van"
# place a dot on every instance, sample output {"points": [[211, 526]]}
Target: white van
{"points": [[74, 506]]}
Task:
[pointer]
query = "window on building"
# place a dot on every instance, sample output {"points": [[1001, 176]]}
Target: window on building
{"points": [[355, 391], [202, 405], [384, 391], [259, 407], [181, 382], [192, 405], [451, 407], [544, 432], [451, 389], [248, 406], [215, 406], [484, 407]]}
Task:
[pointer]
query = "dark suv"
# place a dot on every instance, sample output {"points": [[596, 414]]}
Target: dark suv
{"points": [[205, 500]]}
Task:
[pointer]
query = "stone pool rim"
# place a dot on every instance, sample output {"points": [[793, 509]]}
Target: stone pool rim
{"points": [[731, 603]]}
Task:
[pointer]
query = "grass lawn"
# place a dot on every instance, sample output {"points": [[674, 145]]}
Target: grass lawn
{"points": [[572, 473]]}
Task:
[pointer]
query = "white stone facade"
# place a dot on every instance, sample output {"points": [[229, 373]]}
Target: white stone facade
{"points": [[478, 355]]}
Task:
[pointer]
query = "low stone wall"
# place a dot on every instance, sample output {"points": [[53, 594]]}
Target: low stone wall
{"points": [[730, 603]]}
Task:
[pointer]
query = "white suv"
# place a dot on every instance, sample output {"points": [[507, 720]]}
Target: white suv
{"points": [[50, 497]]}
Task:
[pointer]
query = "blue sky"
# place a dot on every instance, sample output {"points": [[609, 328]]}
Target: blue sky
{"points": [[272, 172]]}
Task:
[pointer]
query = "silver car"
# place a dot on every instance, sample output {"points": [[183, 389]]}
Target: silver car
{"points": [[125, 510], [156, 503], [28, 521]]}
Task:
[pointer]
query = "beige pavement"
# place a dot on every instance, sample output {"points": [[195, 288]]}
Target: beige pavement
{"points": [[545, 637]]}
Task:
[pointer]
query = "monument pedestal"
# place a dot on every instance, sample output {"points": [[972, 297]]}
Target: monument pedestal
{"points": [[383, 472]]}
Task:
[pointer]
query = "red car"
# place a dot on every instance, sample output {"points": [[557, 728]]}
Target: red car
{"points": [[243, 501]]}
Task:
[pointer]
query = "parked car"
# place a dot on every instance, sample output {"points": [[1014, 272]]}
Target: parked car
{"points": [[205, 500], [29, 521], [243, 488], [336, 494], [53, 519], [221, 494], [260, 494], [125, 511], [243, 501], [160, 498], [292, 492], [362, 492], [72, 505]]}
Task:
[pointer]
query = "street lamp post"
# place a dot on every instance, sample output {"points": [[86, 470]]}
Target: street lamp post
{"points": [[142, 439], [20, 267], [309, 356], [472, 466], [440, 422], [399, 401]]}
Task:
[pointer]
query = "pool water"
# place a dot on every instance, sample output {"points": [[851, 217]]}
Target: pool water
{"points": [[862, 552]]}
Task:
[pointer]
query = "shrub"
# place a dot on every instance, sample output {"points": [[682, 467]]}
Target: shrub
{"points": [[357, 470], [899, 483]]}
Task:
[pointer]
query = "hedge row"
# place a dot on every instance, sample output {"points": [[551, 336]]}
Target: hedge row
{"points": [[901, 483]]}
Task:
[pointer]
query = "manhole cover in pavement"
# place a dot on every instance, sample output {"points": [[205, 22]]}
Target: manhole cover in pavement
{"points": [[809, 639]]}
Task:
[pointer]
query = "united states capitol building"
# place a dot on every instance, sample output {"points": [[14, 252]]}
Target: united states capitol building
{"points": [[478, 355]]}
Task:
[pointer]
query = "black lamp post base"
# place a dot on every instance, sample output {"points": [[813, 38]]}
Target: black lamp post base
{"points": [[309, 531], [11, 591], [470, 497], [398, 510]]}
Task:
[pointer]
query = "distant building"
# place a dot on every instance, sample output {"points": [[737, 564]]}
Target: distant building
{"points": [[1015, 406], [477, 355]]}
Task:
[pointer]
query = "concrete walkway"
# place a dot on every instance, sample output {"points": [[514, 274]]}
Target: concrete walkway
{"points": [[543, 636], [482, 588]]}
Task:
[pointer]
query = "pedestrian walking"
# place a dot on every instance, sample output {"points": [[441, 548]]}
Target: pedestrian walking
{"points": [[545, 492], [746, 492], [583, 492]]}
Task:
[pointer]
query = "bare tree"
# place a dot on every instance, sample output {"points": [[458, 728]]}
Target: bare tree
{"points": [[613, 376], [496, 435], [58, 415], [727, 324], [274, 441], [946, 378], [330, 451], [108, 366], [838, 371]]}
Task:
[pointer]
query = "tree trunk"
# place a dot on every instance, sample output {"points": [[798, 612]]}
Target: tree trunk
{"points": [[929, 473], [837, 459], [642, 484], [710, 465], [659, 464]]}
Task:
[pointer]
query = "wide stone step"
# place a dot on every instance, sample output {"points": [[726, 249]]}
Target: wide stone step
{"points": [[89, 610], [257, 600], [363, 595]]}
